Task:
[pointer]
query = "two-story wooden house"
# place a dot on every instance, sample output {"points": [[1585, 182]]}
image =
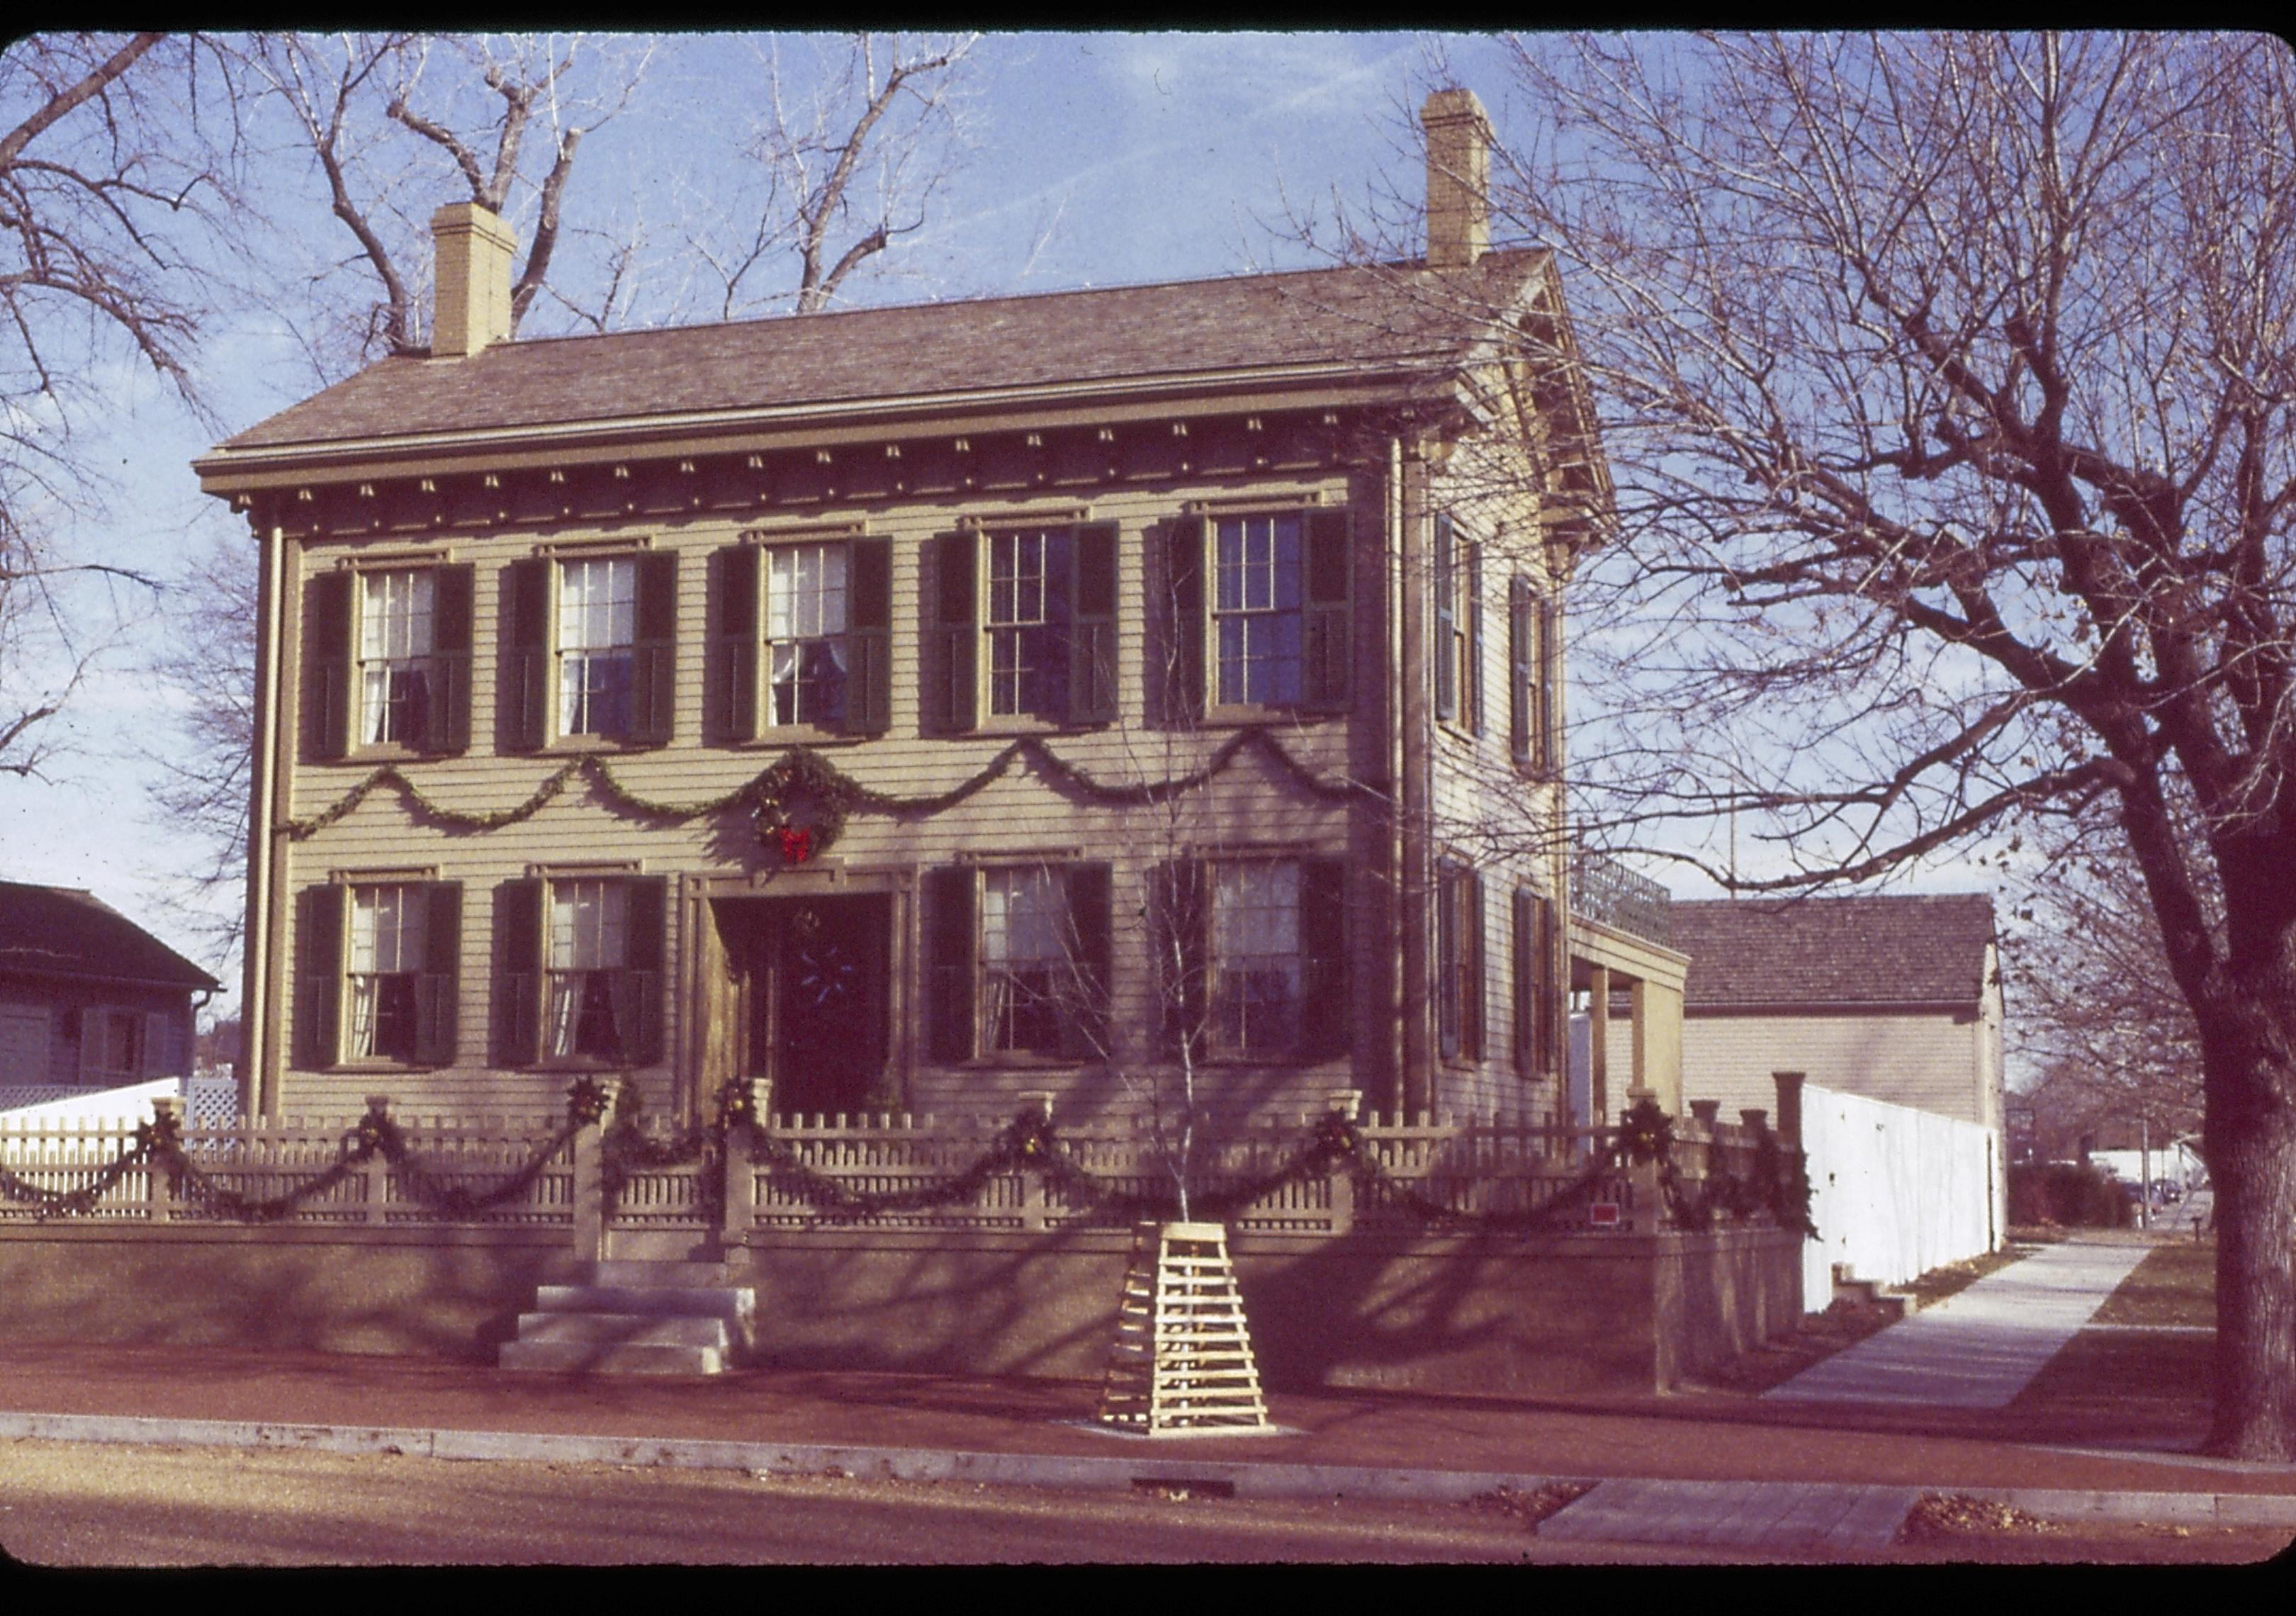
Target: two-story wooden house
{"points": [[926, 706]]}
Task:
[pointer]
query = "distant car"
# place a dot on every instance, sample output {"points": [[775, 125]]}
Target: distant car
{"points": [[2166, 1192]]}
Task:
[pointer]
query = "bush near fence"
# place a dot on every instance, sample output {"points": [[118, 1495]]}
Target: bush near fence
{"points": [[2066, 1192]]}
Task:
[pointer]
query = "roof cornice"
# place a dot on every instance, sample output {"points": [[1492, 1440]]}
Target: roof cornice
{"points": [[225, 470]]}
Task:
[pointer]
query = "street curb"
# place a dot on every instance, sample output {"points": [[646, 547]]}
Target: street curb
{"points": [[1241, 1478]]}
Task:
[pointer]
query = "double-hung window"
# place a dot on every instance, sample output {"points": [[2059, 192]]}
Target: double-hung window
{"points": [[1256, 603], [386, 960], [387, 654], [597, 645], [1535, 992], [1459, 989], [1251, 957], [805, 634], [376, 966], [1021, 627], [802, 640], [1458, 651], [1017, 962], [1258, 618], [1257, 973], [397, 623], [581, 981], [1028, 624], [588, 651]]}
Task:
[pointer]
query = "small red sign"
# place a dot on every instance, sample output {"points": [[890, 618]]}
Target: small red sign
{"points": [[1603, 1215]]}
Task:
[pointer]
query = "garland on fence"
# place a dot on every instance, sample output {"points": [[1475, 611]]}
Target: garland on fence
{"points": [[1027, 1145], [1646, 1134], [801, 775], [160, 1144]]}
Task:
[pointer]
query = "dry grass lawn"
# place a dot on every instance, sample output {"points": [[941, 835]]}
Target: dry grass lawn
{"points": [[2174, 1284]]}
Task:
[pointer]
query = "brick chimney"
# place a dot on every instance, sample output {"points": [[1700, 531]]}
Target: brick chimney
{"points": [[1459, 178], [474, 250]]}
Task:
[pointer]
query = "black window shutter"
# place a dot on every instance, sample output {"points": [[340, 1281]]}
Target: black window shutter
{"points": [[516, 999], [952, 680], [1476, 988], [523, 680], [1522, 682], [319, 929], [948, 961], [639, 1015], [1092, 633], [869, 638], [1330, 644], [1548, 758], [328, 687], [1327, 1017], [1519, 943], [1446, 960], [1182, 674], [1547, 989], [449, 727], [731, 712], [1474, 691], [1445, 651], [1179, 925], [654, 695], [436, 1007], [1085, 1029]]}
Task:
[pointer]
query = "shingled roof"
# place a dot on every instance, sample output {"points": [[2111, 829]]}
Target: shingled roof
{"points": [[1375, 319], [63, 931], [1812, 952]]}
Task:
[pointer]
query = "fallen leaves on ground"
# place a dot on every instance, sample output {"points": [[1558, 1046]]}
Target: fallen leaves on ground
{"points": [[1954, 1514], [1531, 1505]]}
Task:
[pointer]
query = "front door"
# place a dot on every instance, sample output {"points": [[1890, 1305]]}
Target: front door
{"points": [[815, 992]]}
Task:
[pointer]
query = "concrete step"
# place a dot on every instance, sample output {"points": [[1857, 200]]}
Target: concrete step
{"points": [[734, 1304], [624, 1329], [562, 1357], [640, 1273]]}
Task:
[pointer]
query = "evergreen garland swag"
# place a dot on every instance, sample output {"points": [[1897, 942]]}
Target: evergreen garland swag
{"points": [[803, 775]]}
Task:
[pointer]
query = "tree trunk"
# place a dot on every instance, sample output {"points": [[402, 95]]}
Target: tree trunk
{"points": [[2251, 1143]]}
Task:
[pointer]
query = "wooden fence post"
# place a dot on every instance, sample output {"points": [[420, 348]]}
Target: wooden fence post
{"points": [[375, 1171], [158, 1186], [1036, 1206], [1346, 1103], [740, 1164], [590, 1209]]}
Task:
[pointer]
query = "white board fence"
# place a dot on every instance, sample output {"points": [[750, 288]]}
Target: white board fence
{"points": [[1894, 1192]]}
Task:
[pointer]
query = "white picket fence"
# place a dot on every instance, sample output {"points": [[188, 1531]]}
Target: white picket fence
{"points": [[1894, 1192]]}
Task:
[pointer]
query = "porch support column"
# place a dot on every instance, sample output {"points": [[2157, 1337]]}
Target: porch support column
{"points": [[1598, 1047], [1638, 1008]]}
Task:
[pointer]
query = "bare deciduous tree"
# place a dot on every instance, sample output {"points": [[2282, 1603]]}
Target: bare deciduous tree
{"points": [[397, 123], [843, 161], [1949, 388], [108, 162]]}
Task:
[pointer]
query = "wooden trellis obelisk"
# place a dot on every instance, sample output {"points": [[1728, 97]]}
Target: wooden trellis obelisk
{"points": [[1182, 1361]]}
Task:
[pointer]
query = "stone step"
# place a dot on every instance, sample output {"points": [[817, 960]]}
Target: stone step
{"points": [[625, 1329], [641, 1273], [734, 1304], [562, 1357]]}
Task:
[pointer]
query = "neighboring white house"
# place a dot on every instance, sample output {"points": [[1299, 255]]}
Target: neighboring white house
{"points": [[1893, 999]]}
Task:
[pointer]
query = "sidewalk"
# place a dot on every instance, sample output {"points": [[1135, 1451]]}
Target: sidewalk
{"points": [[1862, 1445]]}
